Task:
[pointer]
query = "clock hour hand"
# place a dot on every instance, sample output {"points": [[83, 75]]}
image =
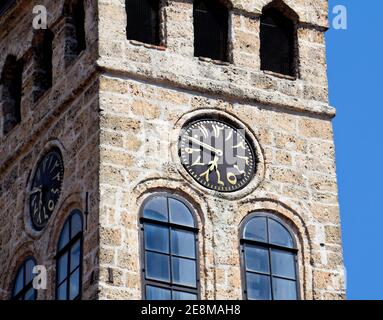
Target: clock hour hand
{"points": [[206, 146]]}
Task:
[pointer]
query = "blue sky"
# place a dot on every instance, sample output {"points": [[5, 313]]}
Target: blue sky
{"points": [[355, 69]]}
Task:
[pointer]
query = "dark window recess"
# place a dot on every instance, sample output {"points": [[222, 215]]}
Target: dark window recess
{"points": [[42, 55], [75, 27], [5, 5], [11, 81], [143, 23], [211, 19], [277, 43]]}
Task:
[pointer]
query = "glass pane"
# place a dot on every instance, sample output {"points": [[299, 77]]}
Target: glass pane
{"points": [[75, 255], [156, 238], [74, 289], [62, 268], [30, 294], [29, 265], [19, 281], [184, 272], [179, 295], [284, 289], [155, 293], [183, 243], [61, 291], [256, 230], [157, 266], [180, 213], [76, 224], [64, 236], [257, 259], [283, 263], [258, 286], [279, 235], [157, 209]]}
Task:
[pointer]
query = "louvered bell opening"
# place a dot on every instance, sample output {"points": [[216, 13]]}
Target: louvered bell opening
{"points": [[210, 30], [277, 43], [5, 5], [143, 21]]}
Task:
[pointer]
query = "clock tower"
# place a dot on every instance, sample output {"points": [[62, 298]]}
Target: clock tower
{"points": [[168, 150]]}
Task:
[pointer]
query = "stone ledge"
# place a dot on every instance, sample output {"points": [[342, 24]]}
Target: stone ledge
{"points": [[229, 88]]}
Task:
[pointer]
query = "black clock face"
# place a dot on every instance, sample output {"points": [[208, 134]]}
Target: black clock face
{"points": [[217, 155], [46, 188]]}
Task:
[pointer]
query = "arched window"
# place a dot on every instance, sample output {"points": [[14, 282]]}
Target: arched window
{"points": [[211, 21], [11, 81], [143, 21], [69, 259], [278, 42], [269, 256], [23, 283], [74, 12], [170, 251], [42, 56]]}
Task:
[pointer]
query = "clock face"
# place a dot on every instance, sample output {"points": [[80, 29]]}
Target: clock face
{"points": [[46, 188], [217, 155]]}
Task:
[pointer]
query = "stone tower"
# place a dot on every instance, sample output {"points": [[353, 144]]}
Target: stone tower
{"points": [[111, 108]]}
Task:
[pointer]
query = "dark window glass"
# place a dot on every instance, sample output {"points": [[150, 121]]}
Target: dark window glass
{"points": [[143, 21], [211, 19], [256, 229], [277, 42], [180, 214], [258, 286], [269, 260], [156, 293], [23, 283], [170, 251], [69, 259], [11, 82]]}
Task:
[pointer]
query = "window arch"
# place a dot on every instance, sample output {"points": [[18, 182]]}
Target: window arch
{"points": [[69, 258], [23, 282], [278, 39], [170, 250], [211, 27], [11, 81], [75, 41], [143, 21], [269, 259], [42, 56]]}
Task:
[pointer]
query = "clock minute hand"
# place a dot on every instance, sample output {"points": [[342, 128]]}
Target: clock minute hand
{"points": [[206, 146]]}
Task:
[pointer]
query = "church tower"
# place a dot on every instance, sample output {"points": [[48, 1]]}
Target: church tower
{"points": [[178, 149]]}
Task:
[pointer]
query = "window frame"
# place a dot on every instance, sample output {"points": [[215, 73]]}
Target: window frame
{"points": [[171, 226], [269, 247], [26, 287], [67, 249]]}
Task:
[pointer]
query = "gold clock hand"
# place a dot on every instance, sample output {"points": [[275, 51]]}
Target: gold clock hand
{"points": [[206, 146]]}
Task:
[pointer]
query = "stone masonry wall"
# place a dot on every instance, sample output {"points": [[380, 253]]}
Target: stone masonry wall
{"points": [[148, 93], [66, 116]]}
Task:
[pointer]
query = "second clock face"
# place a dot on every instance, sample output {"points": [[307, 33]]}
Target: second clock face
{"points": [[217, 155], [46, 188]]}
